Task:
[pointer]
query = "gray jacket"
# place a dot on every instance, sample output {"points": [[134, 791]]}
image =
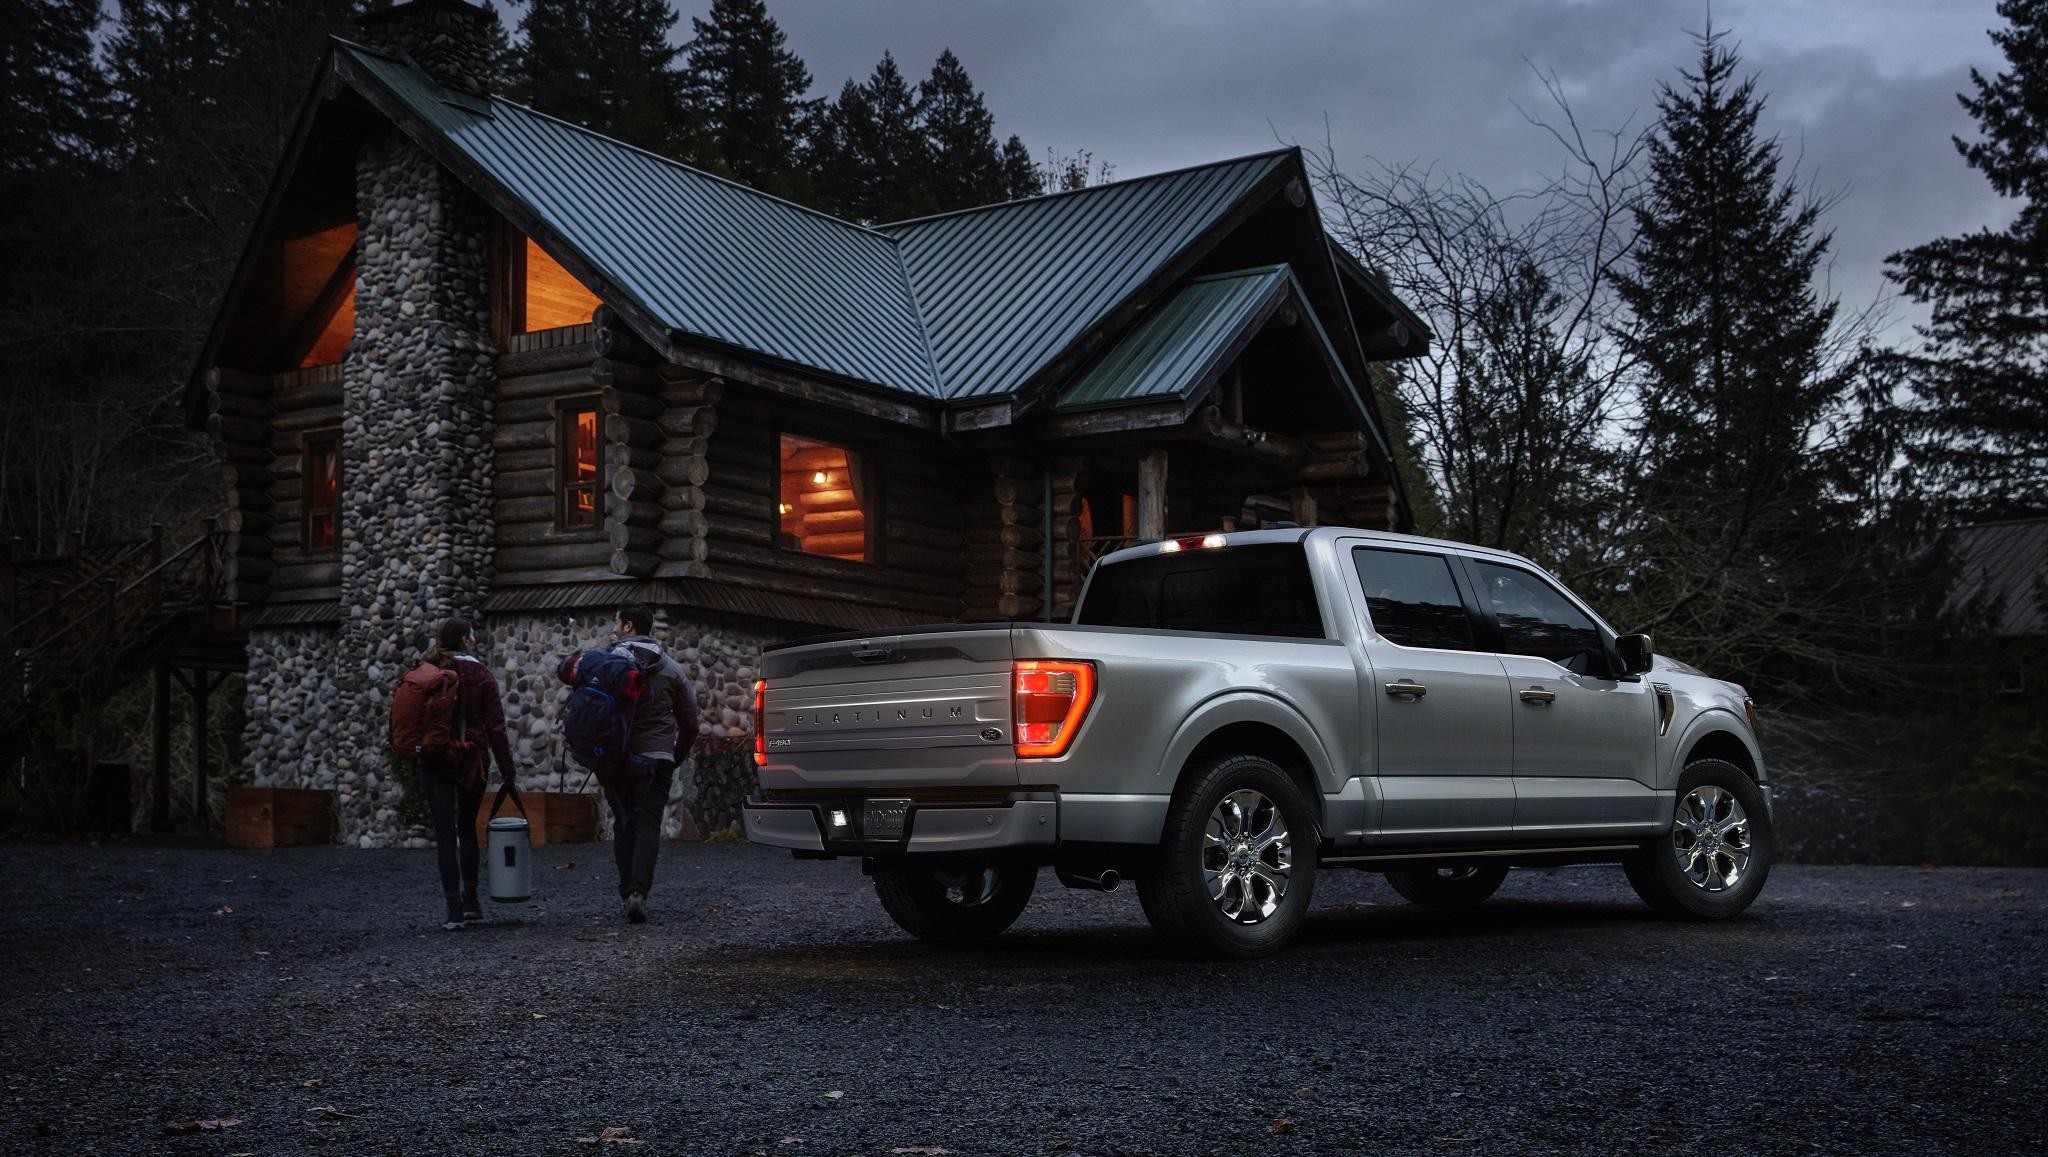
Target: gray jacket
{"points": [[665, 722]]}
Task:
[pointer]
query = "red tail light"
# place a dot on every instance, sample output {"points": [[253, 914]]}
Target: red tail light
{"points": [[760, 722], [1051, 699]]}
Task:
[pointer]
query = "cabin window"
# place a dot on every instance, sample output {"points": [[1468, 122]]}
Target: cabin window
{"points": [[824, 502], [323, 491], [579, 471], [538, 294]]}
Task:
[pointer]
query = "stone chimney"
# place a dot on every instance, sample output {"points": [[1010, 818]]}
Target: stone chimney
{"points": [[452, 41]]}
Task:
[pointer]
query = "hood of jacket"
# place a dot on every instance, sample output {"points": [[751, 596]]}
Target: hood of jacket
{"points": [[645, 652]]}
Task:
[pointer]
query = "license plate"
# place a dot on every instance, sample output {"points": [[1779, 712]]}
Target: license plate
{"points": [[882, 819]]}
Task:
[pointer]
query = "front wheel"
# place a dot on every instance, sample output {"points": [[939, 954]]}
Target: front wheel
{"points": [[1236, 867], [1448, 889], [1714, 859], [955, 903]]}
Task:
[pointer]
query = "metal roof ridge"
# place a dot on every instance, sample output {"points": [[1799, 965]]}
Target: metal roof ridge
{"points": [[1248, 271], [495, 98], [1089, 189]]}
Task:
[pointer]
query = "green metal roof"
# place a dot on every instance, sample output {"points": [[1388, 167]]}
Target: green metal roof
{"points": [[703, 255], [1005, 289], [1181, 343]]}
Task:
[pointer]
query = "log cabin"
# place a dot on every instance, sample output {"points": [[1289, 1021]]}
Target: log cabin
{"points": [[478, 360]]}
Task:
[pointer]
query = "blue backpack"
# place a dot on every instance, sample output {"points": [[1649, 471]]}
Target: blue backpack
{"points": [[597, 721]]}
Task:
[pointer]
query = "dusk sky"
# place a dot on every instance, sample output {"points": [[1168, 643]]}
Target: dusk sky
{"points": [[1861, 91]]}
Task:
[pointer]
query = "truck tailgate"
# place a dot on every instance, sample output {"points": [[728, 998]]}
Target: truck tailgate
{"points": [[925, 708]]}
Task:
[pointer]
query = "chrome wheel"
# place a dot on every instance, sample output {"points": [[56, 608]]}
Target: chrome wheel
{"points": [[1711, 838], [1247, 856]]}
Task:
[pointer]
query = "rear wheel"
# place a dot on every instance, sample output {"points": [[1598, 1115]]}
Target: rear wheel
{"points": [[1236, 867], [1715, 857], [1448, 889], [955, 903]]}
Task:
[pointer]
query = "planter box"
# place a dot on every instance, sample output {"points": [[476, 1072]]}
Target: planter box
{"points": [[555, 817], [279, 817]]}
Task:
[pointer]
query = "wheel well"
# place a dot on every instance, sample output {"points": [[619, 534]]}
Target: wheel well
{"points": [[1722, 745], [1262, 740]]}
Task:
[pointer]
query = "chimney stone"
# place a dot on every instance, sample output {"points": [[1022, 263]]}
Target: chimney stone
{"points": [[451, 40]]}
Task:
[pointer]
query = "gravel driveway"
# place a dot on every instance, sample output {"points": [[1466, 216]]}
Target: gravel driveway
{"points": [[770, 1007]]}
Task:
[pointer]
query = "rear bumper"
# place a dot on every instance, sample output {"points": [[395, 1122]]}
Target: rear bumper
{"points": [[1027, 820]]}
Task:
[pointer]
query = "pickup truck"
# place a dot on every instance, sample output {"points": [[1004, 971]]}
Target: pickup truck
{"points": [[1228, 713]]}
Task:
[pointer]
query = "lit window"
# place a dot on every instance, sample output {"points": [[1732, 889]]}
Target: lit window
{"points": [[579, 476], [323, 491], [550, 296], [822, 501]]}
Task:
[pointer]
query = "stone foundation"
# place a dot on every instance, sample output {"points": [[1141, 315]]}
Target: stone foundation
{"points": [[297, 709]]}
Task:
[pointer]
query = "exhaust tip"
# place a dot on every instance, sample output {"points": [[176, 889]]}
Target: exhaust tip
{"points": [[1105, 882]]}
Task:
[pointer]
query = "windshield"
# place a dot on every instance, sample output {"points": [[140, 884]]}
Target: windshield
{"points": [[1262, 589]]}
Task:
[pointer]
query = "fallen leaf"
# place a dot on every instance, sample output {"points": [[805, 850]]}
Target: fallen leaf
{"points": [[834, 1095], [791, 1141], [330, 1113], [313, 1083], [612, 1135], [564, 867], [210, 1125], [1283, 1125], [1909, 903], [223, 910], [540, 1016]]}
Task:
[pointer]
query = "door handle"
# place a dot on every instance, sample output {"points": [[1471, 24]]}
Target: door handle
{"points": [[1539, 696], [1407, 690]]}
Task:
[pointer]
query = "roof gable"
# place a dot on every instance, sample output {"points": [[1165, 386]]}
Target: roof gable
{"points": [[1005, 289], [1181, 344]]}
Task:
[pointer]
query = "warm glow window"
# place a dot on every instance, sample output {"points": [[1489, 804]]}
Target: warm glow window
{"points": [[548, 296], [579, 470], [323, 492], [823, 505]]}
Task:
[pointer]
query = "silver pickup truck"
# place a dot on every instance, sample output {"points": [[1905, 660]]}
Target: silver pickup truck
{"points": [[1228, 713]]}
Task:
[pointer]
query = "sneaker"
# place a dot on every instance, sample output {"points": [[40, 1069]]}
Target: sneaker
{"points": [[636, 908], [472, 912], [454, 920]]}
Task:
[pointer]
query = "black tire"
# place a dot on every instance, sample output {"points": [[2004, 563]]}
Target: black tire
{"points": [[1660, 874], [1449, 889], [955, 903], [1175, 890]]}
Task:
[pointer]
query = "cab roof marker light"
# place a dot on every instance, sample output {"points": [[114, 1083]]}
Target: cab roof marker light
{"points": [[1213, 541], [1169, 546]]}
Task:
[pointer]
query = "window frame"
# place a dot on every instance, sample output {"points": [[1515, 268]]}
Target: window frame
{"points": [[1483, 635], [308, 442], [1496, 638], [564, 412], [871, 476]]}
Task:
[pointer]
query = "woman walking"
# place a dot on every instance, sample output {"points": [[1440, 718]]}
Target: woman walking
{"points": [[453, 777]]}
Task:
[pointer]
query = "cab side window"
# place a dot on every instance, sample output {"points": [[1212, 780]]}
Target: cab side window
{"points": [[1536, 619], [1413, 600]]}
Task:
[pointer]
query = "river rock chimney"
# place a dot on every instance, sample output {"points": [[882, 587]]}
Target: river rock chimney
{"points": [[452, 41]]}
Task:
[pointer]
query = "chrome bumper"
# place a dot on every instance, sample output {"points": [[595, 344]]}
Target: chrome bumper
{"points": [[1034, 820]]}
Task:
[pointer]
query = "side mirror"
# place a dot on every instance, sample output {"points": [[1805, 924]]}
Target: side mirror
{"points": [[1636, 656]]}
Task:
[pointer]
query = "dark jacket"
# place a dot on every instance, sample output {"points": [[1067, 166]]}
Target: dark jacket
{"points": [[665, 722], [483, 713]]}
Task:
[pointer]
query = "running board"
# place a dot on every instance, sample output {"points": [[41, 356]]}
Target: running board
{"points": [[1452, 854]]}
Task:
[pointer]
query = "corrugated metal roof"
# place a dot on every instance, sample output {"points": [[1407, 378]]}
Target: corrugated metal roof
{"points": [[1004, 289], [704, 255], [1177, 346], [2005, 564]]}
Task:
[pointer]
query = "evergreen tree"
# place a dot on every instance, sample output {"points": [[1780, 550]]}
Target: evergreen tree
{"points": [[1020, 175], [53, 97], [843, 182], [965, 168], [1730, 492], [606, 65], [1981, 371], [870, 157], [747, 91]]}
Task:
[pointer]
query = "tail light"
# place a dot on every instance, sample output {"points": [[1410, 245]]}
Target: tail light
{"points": [[760, 722], [1051, 698]]}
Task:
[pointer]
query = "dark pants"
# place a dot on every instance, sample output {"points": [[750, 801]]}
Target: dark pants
{"points": [[454, 826], [636, 828]]}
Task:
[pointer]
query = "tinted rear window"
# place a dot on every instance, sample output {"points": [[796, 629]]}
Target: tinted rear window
{"points": [[1240, 590]]}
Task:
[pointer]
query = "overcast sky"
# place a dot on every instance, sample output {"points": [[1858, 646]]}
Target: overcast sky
{"points": [[1861, 91]]}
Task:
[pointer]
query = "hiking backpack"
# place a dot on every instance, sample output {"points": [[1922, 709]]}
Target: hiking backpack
{"points": [[426, 712], [597, 720]]}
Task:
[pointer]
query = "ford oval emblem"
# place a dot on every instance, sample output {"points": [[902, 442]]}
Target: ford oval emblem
{"points": [[992, 734]]}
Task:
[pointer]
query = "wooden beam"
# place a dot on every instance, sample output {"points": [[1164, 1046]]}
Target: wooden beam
{"points": [[1152, 495], [1212, 427]]}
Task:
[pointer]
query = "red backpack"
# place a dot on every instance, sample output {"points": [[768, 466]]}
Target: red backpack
{"points": [[426, 712]]}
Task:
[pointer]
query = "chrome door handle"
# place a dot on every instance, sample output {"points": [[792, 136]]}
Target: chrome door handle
{"points": [[1538, 695], [1407, 690]]}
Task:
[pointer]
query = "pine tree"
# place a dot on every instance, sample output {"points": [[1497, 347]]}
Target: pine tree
{"points": [[843, 180], [1730, 488], [1020, 173], [965, 168], [606, 65], [747, 91], [1980, 374], [53, 97]]}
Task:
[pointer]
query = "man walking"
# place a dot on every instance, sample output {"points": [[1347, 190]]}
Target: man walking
{"points": [[664, 727]]}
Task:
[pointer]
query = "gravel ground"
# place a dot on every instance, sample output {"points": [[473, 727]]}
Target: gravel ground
{"points": [[770, 1007]]}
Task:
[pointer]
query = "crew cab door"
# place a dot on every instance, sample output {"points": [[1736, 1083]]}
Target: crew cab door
{"points": [[1437, 699], [1584, 741]]}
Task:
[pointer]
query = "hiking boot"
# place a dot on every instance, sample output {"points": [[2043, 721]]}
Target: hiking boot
{"points": [[636, 908], [454, 920], [472, 912]]}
